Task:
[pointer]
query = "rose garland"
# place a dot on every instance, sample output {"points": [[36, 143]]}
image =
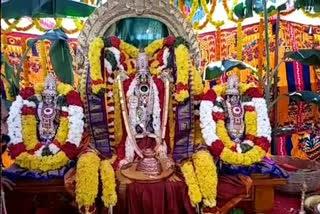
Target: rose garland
{"points": [[215, 134], [116, 51], [24, 145]]}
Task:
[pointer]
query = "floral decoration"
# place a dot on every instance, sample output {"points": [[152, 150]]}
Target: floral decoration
{"points": [[257, 126], [24, 145]]}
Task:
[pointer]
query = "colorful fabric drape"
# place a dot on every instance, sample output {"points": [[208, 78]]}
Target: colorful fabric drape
{"points": [[293, 76], [14, 50]]}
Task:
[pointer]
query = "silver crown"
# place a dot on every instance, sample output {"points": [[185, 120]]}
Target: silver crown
{"points": [[50, 85], [142, 63], [233, 85]]}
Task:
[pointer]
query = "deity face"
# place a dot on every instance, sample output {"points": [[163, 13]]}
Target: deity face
{"points": [[233, 99], [48, 99]]}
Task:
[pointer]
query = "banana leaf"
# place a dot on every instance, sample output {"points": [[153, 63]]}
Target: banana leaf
{"points": [[306, 96], [216, 69], [306, 56], [45, 8], [60, 56]]}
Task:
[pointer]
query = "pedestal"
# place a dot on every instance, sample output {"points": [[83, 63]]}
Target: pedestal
{"points": [[39, 197]]}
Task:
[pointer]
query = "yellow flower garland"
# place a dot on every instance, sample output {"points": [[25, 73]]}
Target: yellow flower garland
{"points": [[64, 89], [44, 163], [38, 88], [256, 153], [206, 172], [109, 195], [222, 133], [63, 130], [251, 122], [192, 183], [129, 49], [153, 47], [87, 179], [183, 67], [253, 156], [195, 5], [197, 82], [94, 58], [117, 115], [29, 131]]}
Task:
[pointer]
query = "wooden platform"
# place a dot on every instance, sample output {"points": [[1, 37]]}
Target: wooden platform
{"points": [[262, 194], [38, 197]]}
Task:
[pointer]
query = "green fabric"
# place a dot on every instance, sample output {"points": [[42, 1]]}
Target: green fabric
{"points": [[139, 32], [306, 56], [60, 56], [45, 8]]}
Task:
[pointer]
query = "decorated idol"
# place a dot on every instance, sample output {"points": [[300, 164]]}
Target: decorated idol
{"points": [[45, 134], [235, 126], [47, 111], [141, 93]]}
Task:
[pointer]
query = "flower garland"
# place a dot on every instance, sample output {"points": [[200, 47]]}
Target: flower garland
{"points": [[192, 183], [94, 58], [117, 50], [37, 23], [24, 145], [87, 179], [109, 195], [215, 134], [207, 177]]}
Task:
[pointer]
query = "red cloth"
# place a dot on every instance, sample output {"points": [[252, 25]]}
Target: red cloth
{"points": [[158, 198]]}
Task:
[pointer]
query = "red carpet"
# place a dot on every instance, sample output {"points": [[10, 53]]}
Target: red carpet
{"points": [[286, 204]]}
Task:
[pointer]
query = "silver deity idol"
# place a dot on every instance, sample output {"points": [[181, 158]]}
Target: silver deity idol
{"points": [[47, 110], [235, 113]]}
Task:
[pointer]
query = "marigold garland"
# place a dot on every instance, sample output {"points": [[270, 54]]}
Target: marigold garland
{"points": [[197, 82], [64, 89], [109, 195], [129, 49], [183, 68], [87, 179], [194, 8], [153, 47], [44, 163], [207, 177], [257, 126], [24, 144], [29, 131], [192, 183], [94, 58], [63, 130]]}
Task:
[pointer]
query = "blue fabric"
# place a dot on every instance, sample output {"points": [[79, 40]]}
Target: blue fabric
{"points": [[290, 77], [306, 77], [17, 173], [289, 145], [267, 166]]}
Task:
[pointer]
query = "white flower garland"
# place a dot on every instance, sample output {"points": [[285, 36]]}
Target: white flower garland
{"points": [[75, 117], [208, 125], [14, 121], [264, 127]]}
